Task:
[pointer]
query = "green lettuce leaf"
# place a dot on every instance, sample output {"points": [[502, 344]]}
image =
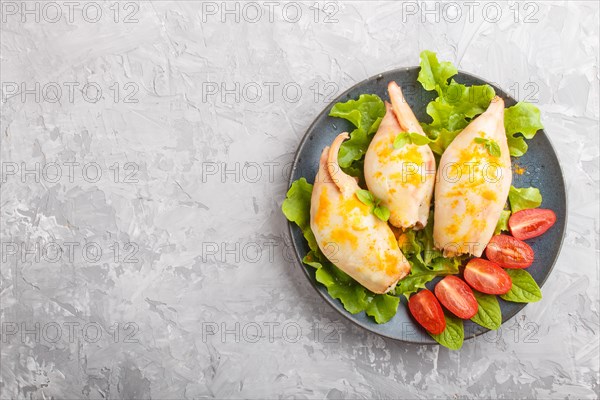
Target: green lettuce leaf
{"points": [[417, 278], [524, 198], [410, 244], [502, 224], [442, 140], [433, 74], [518, 199], [457, 104], [420, 274], [430, 253], [313, 259], [426, 262], [454, 108], [365, 114], [354, 297], [383, 307], [521, 118], [296, 208]]}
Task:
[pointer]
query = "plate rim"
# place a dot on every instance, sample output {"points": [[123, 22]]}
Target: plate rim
{"points": [[330, 300]]}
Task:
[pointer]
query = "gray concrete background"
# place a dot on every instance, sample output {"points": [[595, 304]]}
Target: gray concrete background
{"points": [[144, 252]]}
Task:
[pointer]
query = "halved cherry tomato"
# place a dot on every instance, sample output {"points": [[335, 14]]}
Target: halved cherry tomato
{"points": [[509, 252], [487, 277], [456, 296], [527, 224], [427, 311]]}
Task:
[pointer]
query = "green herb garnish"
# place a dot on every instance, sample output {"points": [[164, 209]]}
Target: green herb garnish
{"points": [[492, 147], [378, 209], [524, 198], [405, 138]]}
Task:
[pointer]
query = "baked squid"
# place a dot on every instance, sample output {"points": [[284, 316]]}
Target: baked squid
{"points": [[402, 178], [348, 234], [472, 186]]}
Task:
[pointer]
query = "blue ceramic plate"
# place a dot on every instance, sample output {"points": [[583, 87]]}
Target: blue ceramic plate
{"points": [[542, 171]]}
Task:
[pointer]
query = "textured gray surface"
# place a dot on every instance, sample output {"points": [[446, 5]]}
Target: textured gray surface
{"points": [[175, 280]]}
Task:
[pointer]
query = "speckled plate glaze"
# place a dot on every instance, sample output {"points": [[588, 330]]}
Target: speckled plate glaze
{"points": [[542, 171]]}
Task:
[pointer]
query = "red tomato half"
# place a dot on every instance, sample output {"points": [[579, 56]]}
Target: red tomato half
{"points": [[457, 297], [427, 311], [487, 277], [527, 224], [509, 252]]}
